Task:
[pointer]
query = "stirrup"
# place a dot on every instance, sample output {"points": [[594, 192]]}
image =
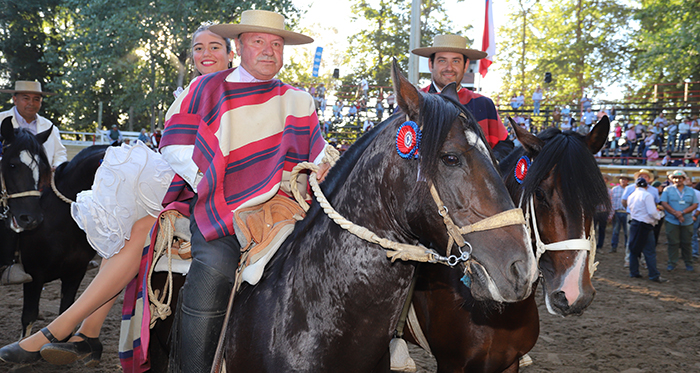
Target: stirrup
{"points": [[14, 275], [401, 361]]}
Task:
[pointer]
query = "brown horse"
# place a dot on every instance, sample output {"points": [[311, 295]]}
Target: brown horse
{"points": [[557, 173], [329, 300]]}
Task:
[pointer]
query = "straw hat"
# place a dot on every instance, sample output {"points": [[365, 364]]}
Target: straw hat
{"points": [[644, 172], [26, 86], [261, 21], [450, 43]]}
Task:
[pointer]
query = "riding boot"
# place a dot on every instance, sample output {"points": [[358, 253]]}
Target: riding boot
{"points": [[204, 302]]}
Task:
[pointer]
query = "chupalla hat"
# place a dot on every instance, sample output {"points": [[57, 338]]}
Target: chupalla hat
{"points": [[644, 172], [261, 21], [450, 43], [678, 173], [26, 86]]}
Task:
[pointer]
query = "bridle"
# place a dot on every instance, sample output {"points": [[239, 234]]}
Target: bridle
{"points": [[5, 197]]}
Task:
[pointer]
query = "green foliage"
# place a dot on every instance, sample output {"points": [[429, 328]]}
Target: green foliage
{"points": [[583, 43], [667, 44], [128, 54], [387, 36]]}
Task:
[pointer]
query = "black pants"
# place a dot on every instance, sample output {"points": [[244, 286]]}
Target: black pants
{"points": [[205, 298]]}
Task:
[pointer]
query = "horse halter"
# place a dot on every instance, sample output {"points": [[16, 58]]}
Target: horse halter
{"points": [[500, 220], [575, 244], [5, 197]]}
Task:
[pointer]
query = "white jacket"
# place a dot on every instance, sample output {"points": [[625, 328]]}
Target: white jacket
{"points": [[55, 151]]}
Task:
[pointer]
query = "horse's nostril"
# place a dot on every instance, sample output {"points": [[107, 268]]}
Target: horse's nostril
{"points": [[559, 300]]}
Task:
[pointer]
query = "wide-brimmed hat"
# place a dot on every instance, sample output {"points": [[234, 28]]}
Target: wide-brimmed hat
{"points": [[26, 86], [261, 21], [678, 173], [450, 43], [629, 178], [644, 172]]}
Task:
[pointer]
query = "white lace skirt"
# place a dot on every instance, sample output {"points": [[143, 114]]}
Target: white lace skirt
{"points": [[129, 184]]}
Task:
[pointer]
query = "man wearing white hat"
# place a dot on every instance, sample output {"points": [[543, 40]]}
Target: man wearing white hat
{"points": [[448, 60], [27, 97], [234, 115]]}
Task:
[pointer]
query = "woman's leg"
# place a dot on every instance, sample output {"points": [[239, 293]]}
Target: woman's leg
{"points": [[95, 302]]}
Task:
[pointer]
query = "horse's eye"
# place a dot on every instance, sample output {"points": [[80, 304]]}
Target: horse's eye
{"points": [[450, 160], [539, 194]]}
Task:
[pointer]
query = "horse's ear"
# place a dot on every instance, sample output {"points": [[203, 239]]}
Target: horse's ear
{"points": [[407, 96], [450, 91], [7, 130], [532, 144], [43, 136], [598, 135]]}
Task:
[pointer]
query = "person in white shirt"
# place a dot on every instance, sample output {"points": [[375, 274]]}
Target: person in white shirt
{"points": [[644, 216], [27, 98], [536, 99]]}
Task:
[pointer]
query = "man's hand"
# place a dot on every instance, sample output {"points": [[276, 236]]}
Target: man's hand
{"points": [[322, 171]]}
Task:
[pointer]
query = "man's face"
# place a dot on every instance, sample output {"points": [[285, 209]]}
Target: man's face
{"points": [[678, 181], [447, 67], [624, 182], [646, 177], [28, 105], [261, 54]]}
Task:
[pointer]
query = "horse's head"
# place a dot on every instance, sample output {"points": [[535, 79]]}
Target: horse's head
{"points": [[441, 153], [557, 182], [24, 170]]}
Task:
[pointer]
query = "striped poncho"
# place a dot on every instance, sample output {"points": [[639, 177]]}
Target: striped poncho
{"points": [[484, 111], [247, 138]]}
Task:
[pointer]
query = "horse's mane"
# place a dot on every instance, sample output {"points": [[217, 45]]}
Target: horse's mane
{"points": [[91, 153], [25, 140], [565, 153]]}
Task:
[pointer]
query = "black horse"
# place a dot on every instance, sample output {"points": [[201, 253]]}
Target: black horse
{"points": [[24, 170], [329, 300], [58, 248]]}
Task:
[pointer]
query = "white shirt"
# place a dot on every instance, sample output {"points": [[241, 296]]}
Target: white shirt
{"points": [[55, 151], [642, 207]]}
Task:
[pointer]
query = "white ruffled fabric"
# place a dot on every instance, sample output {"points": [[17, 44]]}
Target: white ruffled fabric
{"points": [[129, 184]]}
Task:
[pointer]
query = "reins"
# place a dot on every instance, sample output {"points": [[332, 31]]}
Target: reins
{"points": [[55, 190], [408, 252]]}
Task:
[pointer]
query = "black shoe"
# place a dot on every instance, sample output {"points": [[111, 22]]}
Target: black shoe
{"points": [[15, 354], [658, 279], [637, 276], [89, 349], [613, 250]]}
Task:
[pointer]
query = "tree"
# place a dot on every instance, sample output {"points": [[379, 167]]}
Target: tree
{"points": [[583, 43], [27, 28], [131, 55], [387, 36]]}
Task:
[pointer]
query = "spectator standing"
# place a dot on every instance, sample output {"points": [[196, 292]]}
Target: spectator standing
{"points": [[661, 119], [536, 100], [364, 88], [672, 136], [619, 219], [694, 132], [683, 133], [624, 151], [680, 203], [115, 135], [644, 216], [659, 186], [585, 103], [566, 115], [649, 177], [613, 113], [380, 110], [588, 118]]}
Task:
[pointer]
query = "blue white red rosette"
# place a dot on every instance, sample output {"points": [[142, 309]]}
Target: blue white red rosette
{"points": [[521, 168], [408, 140]]}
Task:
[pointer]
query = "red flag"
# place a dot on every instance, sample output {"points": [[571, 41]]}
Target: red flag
{"points": [[488, 42]]}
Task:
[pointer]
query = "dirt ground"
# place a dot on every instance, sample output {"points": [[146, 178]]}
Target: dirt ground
{"points": [[632, 326]]}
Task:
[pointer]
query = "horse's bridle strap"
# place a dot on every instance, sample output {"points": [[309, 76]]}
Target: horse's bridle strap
{"points": [[500, 220], [5, 197]]}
